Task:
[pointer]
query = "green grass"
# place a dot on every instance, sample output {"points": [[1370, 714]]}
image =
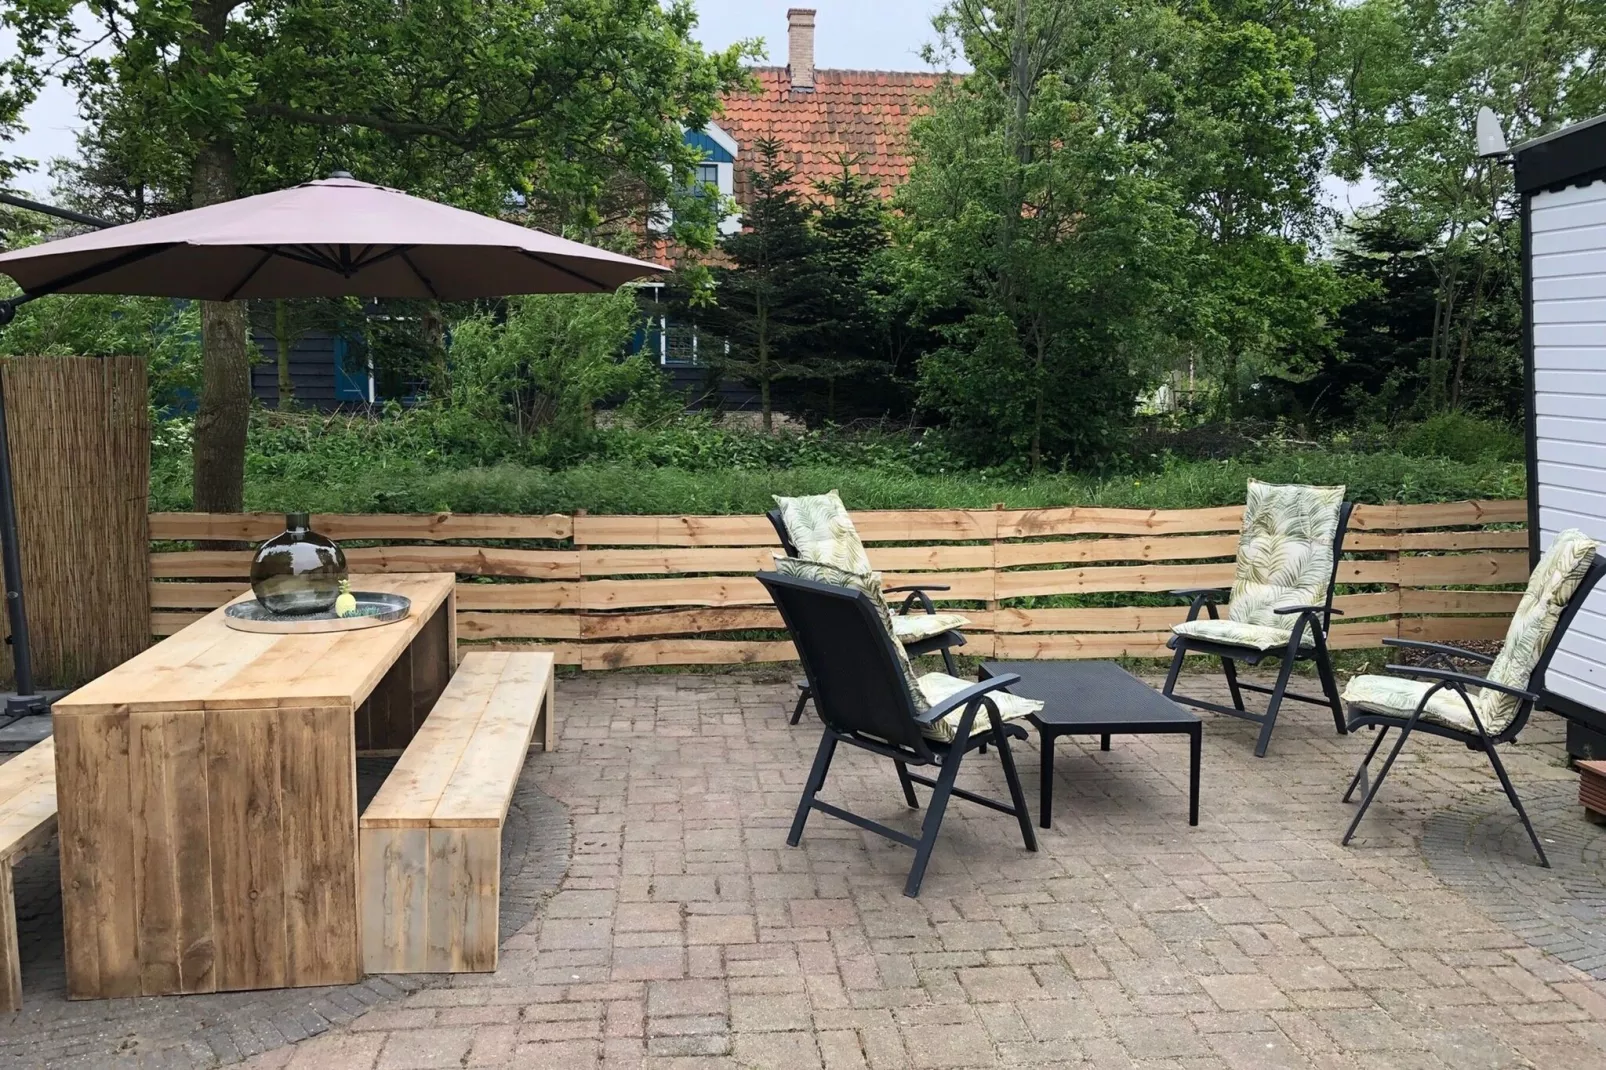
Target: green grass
{"points": [[359, 467]]}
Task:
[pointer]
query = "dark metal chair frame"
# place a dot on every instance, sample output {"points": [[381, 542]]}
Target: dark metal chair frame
{"points": [[942, 642], [863, 700], [1447, 677], [1317, 619]]}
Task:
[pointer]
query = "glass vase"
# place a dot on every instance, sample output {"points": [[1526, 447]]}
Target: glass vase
{"points": [[298, 571]]}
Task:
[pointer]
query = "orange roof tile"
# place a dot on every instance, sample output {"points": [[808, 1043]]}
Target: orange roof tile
{"points": [[859, 113]]}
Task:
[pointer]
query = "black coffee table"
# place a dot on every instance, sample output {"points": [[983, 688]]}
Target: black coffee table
{"points": [[1085, 698]]}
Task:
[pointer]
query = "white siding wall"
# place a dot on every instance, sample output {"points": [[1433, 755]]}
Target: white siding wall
{"points": [[1569, 318]]}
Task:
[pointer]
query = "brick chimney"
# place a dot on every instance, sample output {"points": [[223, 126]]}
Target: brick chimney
{"points": [[800, 47]]}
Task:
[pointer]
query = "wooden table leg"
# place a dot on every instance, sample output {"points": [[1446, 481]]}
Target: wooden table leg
{"points": [[1104, 741]]}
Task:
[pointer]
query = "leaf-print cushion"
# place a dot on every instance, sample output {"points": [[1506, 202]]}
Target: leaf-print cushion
{"points": [[1550, 588], [1285, 553], [822, 531], [936, 686], [913, 627], [1396, 696], [1257, 636], [870, 584]]}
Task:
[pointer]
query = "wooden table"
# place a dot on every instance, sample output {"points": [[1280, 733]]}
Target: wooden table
{"points": [[208, 798]]}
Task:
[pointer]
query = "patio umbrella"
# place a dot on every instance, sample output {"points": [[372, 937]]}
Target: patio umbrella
{"points": [[336, 237]]}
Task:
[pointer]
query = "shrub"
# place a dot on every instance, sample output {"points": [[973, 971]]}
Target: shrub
{"points": [[1459, 437]]}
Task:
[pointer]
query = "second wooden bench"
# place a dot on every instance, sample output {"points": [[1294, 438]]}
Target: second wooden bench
{"points": [[430, 843]]}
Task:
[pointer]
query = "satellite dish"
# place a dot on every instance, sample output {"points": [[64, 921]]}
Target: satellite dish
{"points": [[1491, 139]]}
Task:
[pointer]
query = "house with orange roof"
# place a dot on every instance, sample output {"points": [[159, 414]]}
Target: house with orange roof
{"points": [[819, 116]]}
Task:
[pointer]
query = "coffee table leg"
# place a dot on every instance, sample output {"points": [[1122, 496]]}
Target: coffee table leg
{"points": [[1195, 737], [1045, 785], [1104, 741]]}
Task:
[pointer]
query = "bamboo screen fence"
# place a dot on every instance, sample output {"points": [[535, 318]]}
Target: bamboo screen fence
{"points": [[80, 457], [614, 591]]}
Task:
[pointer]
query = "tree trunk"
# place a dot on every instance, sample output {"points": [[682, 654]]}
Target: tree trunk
{"points": [[224, 411], [282, 344], [764, 369]]}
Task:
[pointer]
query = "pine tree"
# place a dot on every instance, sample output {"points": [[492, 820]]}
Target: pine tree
{"points": [[770, 300]]}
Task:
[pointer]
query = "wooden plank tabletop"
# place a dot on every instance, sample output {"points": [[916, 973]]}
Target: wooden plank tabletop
{"points": [[209, 665]]}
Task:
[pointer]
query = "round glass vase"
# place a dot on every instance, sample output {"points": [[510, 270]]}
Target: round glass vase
{"points": [[299, 571]]}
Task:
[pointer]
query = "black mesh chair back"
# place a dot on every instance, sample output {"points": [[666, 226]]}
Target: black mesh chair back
{"points": [[1344, 511], [850, 661], [780, 529]]}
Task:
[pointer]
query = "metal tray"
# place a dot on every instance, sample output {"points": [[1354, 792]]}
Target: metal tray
{"points": [[374, 609]]}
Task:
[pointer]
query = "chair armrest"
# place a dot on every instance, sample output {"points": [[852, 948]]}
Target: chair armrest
{"points": [[917, 594], [1441, 648], [1285, 610], [1203, 598], [962, 698], [1450, 676], [920, 587]]}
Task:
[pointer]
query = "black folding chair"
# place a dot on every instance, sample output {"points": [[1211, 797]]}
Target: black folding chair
{"points": [[1312, 620], [1459, 718], [942, 642], [864, 700]]}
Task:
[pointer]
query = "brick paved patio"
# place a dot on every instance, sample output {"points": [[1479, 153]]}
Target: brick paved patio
{"points": [[687, 935]]}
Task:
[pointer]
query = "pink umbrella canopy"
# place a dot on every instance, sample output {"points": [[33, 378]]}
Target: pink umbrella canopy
{"points": [[336, 237]]}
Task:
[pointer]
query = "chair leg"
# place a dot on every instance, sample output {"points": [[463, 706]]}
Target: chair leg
{"points": [[1324, 668], [908, 785], [1170, 684], [948, 665], [1511, 793], [1276, 702], [803, 696], [1012, 778], [822, 765], [1360, 772], [1388, 763], [933, 822], [1230, 671]]}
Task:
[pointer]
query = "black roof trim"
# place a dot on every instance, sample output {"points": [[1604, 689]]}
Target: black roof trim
{"points": [[1573, 154]]}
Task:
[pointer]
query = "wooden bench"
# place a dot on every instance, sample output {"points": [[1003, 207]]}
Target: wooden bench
{"points": [[27, 821], [430, 843]]}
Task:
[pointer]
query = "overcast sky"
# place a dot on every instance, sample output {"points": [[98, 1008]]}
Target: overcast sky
{"points": [[859, 34]]}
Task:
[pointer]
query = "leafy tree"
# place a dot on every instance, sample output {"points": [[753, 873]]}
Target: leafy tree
{"points": [[769, 301], [543, 363], [574, 106], [1036, 236], [1413, 75], [861, 335], [1237, 128]]}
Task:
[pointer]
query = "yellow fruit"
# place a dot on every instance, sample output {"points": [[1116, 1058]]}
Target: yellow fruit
{"points": [[346, 604]]}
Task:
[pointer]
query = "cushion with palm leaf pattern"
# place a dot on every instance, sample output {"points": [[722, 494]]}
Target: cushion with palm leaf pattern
{"points": [[1285, 552], [822, 531]]}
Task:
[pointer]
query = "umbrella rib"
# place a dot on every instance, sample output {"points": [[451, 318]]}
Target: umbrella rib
{"points": [[291, 254], [249, 275], [131, 256], [379, 258], [430, 286], [559, 267]]}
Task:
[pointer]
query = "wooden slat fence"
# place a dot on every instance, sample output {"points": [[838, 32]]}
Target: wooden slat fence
{"points": [[614, 591]]}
